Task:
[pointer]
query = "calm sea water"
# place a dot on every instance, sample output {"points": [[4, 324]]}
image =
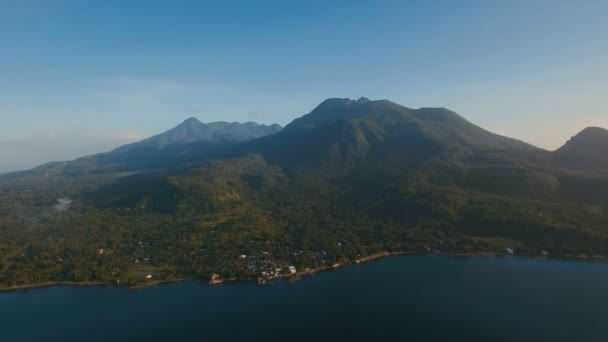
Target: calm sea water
{"points": [[430, 298]]}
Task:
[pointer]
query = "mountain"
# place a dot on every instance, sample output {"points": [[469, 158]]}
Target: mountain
{"points": [[350, 179], [159, 151], [586, 150], [344, 132], [438, 124], [193, 131]]}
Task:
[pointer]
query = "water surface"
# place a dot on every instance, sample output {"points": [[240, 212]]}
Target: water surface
{"points": [[431, 298]]}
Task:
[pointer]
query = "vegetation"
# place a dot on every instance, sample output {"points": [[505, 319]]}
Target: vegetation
{"points": [[349, 180]]}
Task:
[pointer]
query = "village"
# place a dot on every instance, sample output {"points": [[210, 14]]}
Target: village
{"points": [[270, 262], [259, 260], [265, 264]]}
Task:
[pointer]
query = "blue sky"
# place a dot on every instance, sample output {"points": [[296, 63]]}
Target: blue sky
{"points": [[79, 77]]}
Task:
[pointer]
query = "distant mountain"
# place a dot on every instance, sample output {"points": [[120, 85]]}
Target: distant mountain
{"points": [[586, 150], [160, 151], [193, 131]]}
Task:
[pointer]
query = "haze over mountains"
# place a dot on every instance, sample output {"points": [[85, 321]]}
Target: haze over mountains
{"points": [[350, 178], [161, 149], [193, 131]]}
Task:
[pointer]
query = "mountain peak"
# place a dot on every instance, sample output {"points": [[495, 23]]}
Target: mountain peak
{"points": [[338, 101], [593, 131], [192, 130], [191, 121], [335, 101], [587, 149], [590, 137]]}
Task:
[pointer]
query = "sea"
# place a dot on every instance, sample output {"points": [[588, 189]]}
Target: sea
{"points": [[405, 298]]}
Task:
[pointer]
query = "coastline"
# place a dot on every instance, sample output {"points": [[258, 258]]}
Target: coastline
{"points": [[93, 284], [291, 278], [294, 277], [359, 261], [56, 283], [157, 282]]}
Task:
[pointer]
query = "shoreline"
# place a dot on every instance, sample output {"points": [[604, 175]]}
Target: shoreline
{"points": [[356, 262], [291, 278], [156, 282], [93, 284], [56, 283]]}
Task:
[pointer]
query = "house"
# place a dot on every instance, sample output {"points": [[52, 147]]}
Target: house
{"points": [[100, 251], [292, 270], [243, 256], [149, 276], [509, 250], [215, 279]]}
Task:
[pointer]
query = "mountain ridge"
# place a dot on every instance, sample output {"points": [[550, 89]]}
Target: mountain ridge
{"points": [[192, 130], [159, 149], [336, 130], [382, 119]]}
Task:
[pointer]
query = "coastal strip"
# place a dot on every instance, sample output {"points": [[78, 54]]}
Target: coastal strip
{"points": [[291, 278], [56, 283]]}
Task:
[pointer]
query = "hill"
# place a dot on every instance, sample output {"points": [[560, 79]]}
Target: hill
{"points": [[586, 150]]}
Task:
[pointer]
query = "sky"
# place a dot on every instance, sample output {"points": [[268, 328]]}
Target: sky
{"points": [[80, 77]]}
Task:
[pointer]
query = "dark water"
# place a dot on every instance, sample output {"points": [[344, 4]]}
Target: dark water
{"points": [[428, 298]]}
